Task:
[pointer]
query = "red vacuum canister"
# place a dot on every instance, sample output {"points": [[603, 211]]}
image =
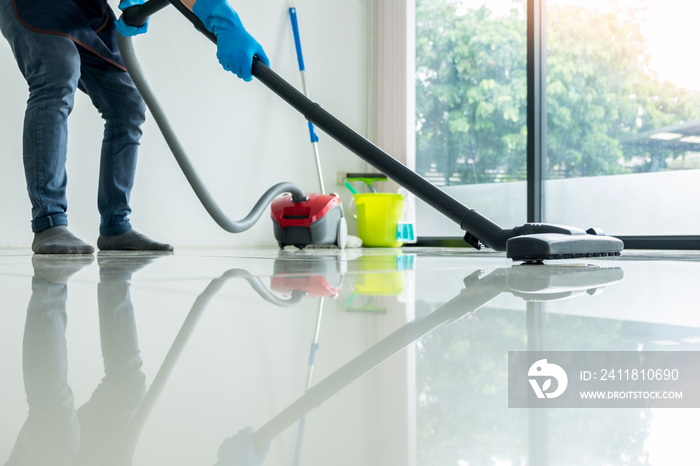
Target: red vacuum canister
{"points": [[317, 220]]}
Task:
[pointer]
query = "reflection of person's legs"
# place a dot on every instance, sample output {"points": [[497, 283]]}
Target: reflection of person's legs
{"points": [[51, 66], [107, 416], [51, 434], [121, 106]]}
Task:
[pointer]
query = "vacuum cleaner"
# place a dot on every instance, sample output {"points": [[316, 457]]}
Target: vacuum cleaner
{"points": [[531, 242]]}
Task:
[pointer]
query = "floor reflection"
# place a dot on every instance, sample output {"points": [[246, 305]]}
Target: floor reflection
{"points": [[422, 383], [55, 432]]}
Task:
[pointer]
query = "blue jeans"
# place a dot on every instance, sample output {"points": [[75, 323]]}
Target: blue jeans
{"points": [[54, 67]]}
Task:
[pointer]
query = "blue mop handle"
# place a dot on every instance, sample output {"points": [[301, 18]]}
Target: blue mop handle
{"points": [[300, 59], [297, 39]]}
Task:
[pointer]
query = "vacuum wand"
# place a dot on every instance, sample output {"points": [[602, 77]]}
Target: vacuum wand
{"points": [[137, 15]]}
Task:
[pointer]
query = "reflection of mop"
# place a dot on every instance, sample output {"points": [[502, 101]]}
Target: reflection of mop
{"points": [[309, 377], [319, 277]]}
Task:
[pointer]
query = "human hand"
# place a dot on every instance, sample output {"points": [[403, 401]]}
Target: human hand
{"points": [[123, 28], [235, 46]]}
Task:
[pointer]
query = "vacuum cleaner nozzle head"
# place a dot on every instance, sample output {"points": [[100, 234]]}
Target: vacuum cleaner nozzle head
{"points": [[537, 247]]}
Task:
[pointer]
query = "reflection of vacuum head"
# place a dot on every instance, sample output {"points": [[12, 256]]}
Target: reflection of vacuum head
{"points": [[559, 282]]}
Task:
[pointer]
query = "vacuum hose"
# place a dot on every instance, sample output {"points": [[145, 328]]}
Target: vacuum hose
{"points": [[126, 48]]}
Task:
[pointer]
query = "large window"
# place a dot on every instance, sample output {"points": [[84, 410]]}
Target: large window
{"points": [[620, 123], [623, 115]]}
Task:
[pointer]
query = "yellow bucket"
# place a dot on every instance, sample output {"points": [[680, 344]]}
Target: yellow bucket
{"points": [[378, 216]]}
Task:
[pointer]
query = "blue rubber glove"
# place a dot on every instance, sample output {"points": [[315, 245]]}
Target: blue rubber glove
{"points": [[129, 31], [235, 47]]}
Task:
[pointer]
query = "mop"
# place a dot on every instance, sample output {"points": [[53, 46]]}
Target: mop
{"points": [[349, 241]]}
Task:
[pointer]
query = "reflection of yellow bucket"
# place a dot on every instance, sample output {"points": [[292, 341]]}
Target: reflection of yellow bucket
{"points": [[380, 284], [379, 276], [378, 216]]}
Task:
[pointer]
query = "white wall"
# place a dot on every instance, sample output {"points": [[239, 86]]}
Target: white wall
{"points": [[242, 137]]}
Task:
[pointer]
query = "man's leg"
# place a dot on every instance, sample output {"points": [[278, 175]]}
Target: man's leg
{"points": [[51, 66], [121, 106]]}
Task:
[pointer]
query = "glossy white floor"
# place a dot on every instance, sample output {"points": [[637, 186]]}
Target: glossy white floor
{"points": [[327, 357]]}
